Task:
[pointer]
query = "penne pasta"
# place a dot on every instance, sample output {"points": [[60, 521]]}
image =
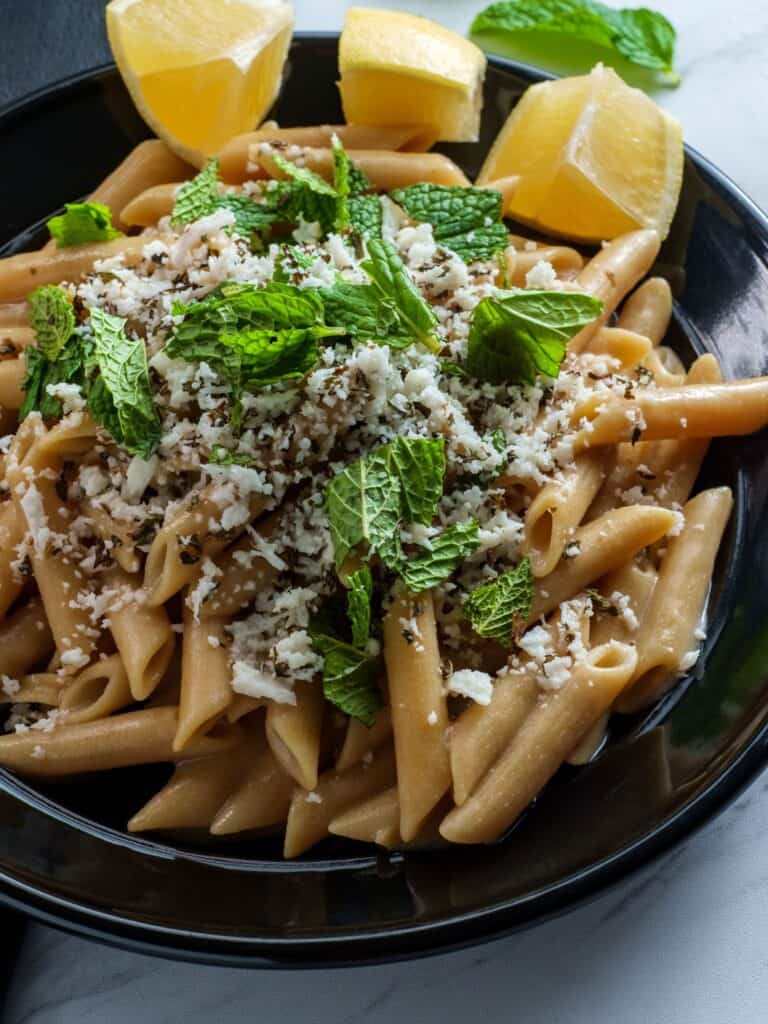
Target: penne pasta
{"points": [[142, 635], [136, 737], [148, 164], [648, 310], [667, 633], [310, 814], [612, 273], [481, 733], [262, 794], [385, 169], [557, 510], [375, 820], [234, 158], [691, 411], [627, 347], [361, 741], [540, 746], [418, 709], [99, 690], [19, 275], [603, 545], [14, 314], [206, 678], [293, 732]]}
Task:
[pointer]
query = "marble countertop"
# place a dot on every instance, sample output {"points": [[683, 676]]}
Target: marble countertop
{"points": [[682, 942]]}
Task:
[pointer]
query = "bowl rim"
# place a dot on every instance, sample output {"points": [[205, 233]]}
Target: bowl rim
{"points": [[413, 939]]}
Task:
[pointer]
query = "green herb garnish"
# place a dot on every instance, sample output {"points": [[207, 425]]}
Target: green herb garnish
{"points": [[497, 609], [520, 334], [82, 222], [642, 36]]}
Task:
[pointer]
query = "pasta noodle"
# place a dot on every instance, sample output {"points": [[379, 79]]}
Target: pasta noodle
{"points": [[235, 161], [385, 169], [417, 706]]}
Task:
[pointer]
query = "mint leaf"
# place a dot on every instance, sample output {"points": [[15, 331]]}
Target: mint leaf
{"points": [[349, 678], [397, 290], [520, 334], [359, 606], [251, 216], [363, 504], [359, 309], [450, 209], [446, 553], [496, 609], [451, 369], [366, 215], [268, 356], [418, 463], [348, 181], [643, 36], [82, 222], [121, 398], [197, 198], [308, 196], [465, 219], [480, 243], [52, 319], [41, 372]]}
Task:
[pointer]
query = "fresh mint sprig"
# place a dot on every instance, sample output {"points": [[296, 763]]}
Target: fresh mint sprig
{"points": [[644, 37], [497, 609], [81, 223], [465, 219], [517, 335]]}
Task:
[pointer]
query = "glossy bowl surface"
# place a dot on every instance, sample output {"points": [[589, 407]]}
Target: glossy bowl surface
{"points": [[64, 855]]}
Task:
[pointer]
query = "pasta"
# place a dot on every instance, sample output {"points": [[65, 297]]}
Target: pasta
{"points": [[320, 486]]}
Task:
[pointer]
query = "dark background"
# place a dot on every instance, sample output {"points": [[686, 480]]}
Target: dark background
{"points": [[44, 40]]}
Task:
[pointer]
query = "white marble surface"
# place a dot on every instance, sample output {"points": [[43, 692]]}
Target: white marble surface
{"points": [[684, 942]]}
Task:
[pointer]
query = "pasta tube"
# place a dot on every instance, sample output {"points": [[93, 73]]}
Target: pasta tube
{"points": [[417, 705], [310, 814], [667, 632], [206, 678], [262, 795], [360, 740], [234, 159], [691, 411], [97, 691], [136, 737], [612, 273], [293, 732], [648, 310], [142, 635], [385, 169], [540, 746]]}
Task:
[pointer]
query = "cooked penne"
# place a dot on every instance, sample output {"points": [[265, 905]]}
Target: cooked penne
{"points": [[612, 273], [666, 638], [293, 732], [193, 795], [262, 794], [558, 509], [417, 704], [14, 314], [375, 820], [206, 690], [483, 732], [97, 691], [148, 164], [540, 746], [136, 737], [11, 375], [142, 635], [11, 536], [361, 740], [600, 547], [647, 311], [19, 275], [385, 169], [235, 161], [25, 639], [522, 256], [627, 347], [691, 411], [310, 814]]}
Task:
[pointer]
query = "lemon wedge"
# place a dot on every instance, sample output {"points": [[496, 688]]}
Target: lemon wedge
{"points": [[398, 68], [594, 158], [200, 71]]}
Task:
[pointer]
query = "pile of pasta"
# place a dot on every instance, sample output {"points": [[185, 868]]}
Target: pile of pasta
{"points": [[430, 768]]}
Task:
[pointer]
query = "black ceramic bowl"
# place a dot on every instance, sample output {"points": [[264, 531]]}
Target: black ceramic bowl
{"points": [[64, 855]]}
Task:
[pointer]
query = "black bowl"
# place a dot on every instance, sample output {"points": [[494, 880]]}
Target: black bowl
{"points": [[64, 855]]}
